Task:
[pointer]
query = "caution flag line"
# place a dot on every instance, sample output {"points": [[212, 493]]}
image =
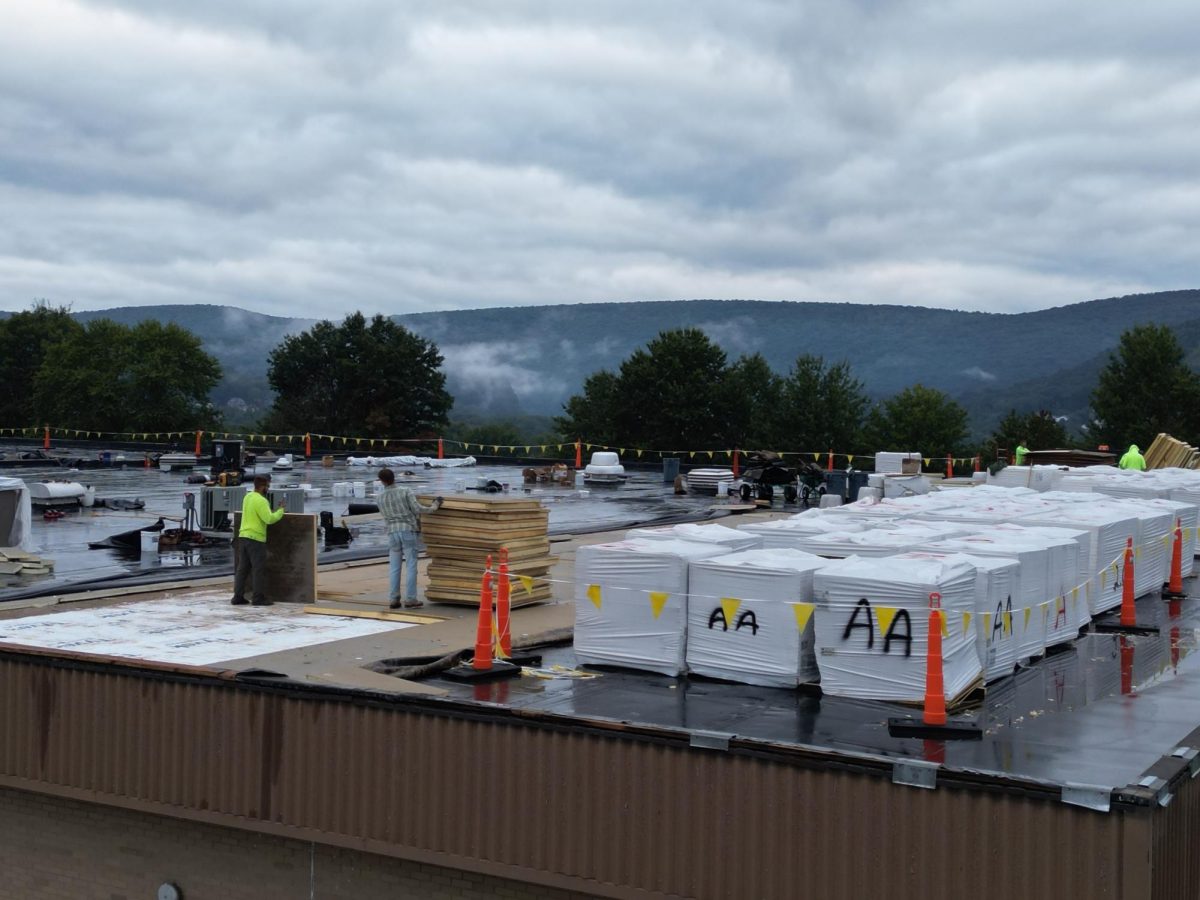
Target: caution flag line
{"points": [[659, 598]]}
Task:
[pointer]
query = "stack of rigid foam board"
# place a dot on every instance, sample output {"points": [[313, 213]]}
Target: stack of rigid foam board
{"points": [[466, 530], [20, 563], [1166, 452]]}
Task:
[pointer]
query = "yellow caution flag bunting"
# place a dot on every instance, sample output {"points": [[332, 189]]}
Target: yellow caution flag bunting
{"points": [[987, 626], [803, 613], [1028, 613], [729, 606], [886, 615], [593, 593], [1008, 629], [966, 622], [658, 599], [527, 583]]}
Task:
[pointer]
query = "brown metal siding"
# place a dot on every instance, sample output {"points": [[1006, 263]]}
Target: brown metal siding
{"points": [[1176, 861], [610, 814]]}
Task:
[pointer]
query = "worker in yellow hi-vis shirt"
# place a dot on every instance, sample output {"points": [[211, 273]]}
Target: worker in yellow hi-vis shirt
{"points": [[1133, 459], [252, 543]]}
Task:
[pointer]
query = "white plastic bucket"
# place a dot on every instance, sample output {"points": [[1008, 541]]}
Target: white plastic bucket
{"points": [[150, 541], [360, 489], [89, 496]]}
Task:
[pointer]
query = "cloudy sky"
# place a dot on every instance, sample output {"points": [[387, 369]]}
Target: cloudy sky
{"points": [[306, 158]]}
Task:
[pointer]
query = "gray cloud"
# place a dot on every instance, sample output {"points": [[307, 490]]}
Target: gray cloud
{"points": [[306, 158]]}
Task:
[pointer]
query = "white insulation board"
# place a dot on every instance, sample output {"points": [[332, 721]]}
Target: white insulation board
{"points": [[872, 625], [750, 617]]}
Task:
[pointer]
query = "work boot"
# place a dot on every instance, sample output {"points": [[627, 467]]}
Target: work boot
{"points": [[395, 604], [239, 601], [262, 603]]}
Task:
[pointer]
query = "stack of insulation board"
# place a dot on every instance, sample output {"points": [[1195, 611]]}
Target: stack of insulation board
{"points": [[1108, 529], [466, 530], [631, 603], [731, 539], [872, 627], [1165, 451], [997, 582], [750, 617], [22, 564], [785, 533], [706, 480]]}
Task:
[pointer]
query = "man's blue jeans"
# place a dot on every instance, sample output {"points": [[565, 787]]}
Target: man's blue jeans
{"points": [[402, 550]]}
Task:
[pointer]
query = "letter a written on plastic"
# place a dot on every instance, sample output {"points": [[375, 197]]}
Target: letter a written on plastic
{"points": [[864, 607]]}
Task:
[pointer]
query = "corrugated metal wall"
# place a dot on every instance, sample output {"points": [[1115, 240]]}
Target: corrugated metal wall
{"points": [[1176, 856], [605, 810]]}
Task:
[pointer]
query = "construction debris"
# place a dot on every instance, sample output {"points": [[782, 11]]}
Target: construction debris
{"points": [[465, 531], [18, 562]]}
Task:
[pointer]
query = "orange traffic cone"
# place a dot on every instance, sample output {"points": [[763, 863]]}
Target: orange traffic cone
{"points": [[933, 722], [1128, 610], [441, 451], [504, 636], [198, 433], [829, 466], [307, 446], [483, 631], [1127, 622], [736, 470], [1174, 589]]}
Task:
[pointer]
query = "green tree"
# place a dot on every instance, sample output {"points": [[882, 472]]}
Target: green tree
{"points": [[1146, 388], [110, 377], [375, 379], [1041, 429], [824, 405], [592, 414], [25, 338], [754, 417], [917, 419], [669, 394]]}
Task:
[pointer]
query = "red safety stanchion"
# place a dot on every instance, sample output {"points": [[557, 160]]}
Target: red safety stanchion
{"points": [[503, 628], [307, 446], [949, 466], [736, 467], [829, 464], [1174, 589], [579, 454], [933, 723], [198, 434], [441, 450], [976, 463], [46, 439]]}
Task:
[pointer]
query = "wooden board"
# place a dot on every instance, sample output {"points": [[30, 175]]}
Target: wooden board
{"points": [[291, 558], [411, 618]]}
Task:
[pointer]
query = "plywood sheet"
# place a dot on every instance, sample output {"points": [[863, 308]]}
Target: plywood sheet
{"points": [[291, 558]]}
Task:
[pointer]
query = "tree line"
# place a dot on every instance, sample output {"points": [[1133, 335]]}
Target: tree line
{"points": [[375, 378]]}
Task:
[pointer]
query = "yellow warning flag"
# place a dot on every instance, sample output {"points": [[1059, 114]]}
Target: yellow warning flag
{"points": [[658, 599], [816, 456], [593, 592], [527, 449], [621, 451], [945, 625], [1137, 551], [987, 626], [527, 583], [541, 448], [589, 446], [710, 454], [495, 448], [849, 459], [1166, 542], [692, 453], [1028, 613], [927, 460], [803, 613], [966, 622], [729, 606], [560, 446], [886, 615], [1104, 579], [1008, 623], [639, 453]]}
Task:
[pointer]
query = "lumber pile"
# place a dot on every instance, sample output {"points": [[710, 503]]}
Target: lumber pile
{"points": [[1166, 452], [21, 564], [466, 530]]}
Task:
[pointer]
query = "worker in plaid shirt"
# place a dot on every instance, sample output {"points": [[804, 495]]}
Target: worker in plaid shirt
{"points": [[401, 510]]}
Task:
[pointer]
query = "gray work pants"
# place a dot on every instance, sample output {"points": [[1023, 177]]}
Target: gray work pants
{"points": [[252, 563]]}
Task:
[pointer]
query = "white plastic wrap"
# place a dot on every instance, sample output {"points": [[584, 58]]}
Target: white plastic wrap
{"points": [[731, 539], [1152, 555], [892, 463], [785, 533], [405, 461], [997, 583], [16, 514], [1065, 608], [631, 603], [1038, 478], [872, 627], [1034, 581], [750, 617], [1188, 515], [875, 543], [1108, 528]]}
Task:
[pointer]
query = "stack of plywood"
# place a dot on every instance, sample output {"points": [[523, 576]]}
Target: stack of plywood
{"points": [[17, 562], [1166, 452], [466, 530]]}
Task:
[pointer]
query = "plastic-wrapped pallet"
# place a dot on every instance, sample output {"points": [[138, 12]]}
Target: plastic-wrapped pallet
{"points": [[997, 582], [1033, 582], [1152, 555], [631, 603], [1108, 529], [892, 463], [1188, 515], [858, 543], [1038, 478], [784, 533], [750, 617], [1065, 609], [731, 539], [872, 627]]}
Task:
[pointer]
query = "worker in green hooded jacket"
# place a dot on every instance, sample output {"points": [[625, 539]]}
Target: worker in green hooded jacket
{"points": [[1133, 459]]}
